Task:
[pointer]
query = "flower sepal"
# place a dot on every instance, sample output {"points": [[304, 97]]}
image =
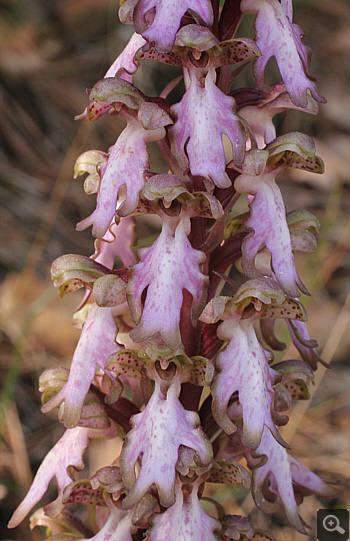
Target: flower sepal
{"points": [[70, 272], [90, 162], [297, 150]]}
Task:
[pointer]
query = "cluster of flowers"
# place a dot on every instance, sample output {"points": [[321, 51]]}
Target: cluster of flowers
{"points": [[157, 331]]}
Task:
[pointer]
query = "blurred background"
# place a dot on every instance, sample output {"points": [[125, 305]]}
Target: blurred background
{"points": [[50, 52]]}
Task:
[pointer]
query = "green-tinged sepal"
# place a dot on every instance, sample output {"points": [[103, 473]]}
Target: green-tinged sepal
{"points": [[108, 479], [109, 290], [297, 376], [70, 272], [297, 150], [90, 162]]}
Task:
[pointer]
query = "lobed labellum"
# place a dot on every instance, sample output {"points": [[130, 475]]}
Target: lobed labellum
{"points": [[185, 520], [162, 30], [157, 434], [202, 117], [277, 36], [242, 366], [96, 344], [117, 243], [65, 455], [283, 470], [268, 224], [166, 268]]}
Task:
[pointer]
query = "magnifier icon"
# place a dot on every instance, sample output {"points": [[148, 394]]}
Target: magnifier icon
{"points": [[331, 524]]}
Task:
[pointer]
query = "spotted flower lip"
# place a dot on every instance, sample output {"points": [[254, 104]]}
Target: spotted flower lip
{"points": [[157, 434], [267, 220], [242, 361], [59, 463], [126, 166], [96, 344], [162, 29], [277, 36], [282, 471], [202, 117], [185, 519], [166, 278]]}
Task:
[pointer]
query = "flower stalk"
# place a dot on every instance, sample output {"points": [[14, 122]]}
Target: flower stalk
{"points": [[157, 331]]}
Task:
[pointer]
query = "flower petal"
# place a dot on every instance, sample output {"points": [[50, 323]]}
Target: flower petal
{"points": [[118, 527], [167, 19], [67, 453], [242, 366], [186, 519], [156, 435], [125, 61], [117, 242], [259, 116], [283, 471], [277, 36], [268, 221], [126, 166], [166, 268], [203, 116], [96, 344]]}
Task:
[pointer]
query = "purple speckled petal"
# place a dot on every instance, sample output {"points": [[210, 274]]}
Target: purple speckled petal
{"points": [[283, 471], [167, 19], [242, 366], [186, 520], [67, 453], [268, 221], [157, 434], [278, 468], [125, 61], [126, 166], [96, 344], [167, 267], [203, 116], [277, 36]]}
